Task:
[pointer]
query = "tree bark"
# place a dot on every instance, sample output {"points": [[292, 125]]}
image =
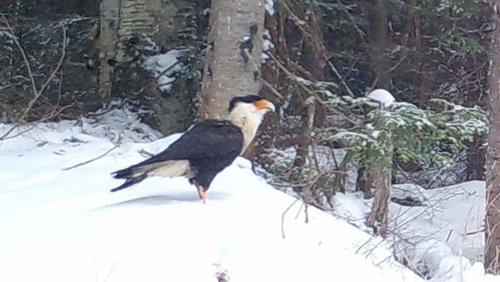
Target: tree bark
{"points": [[476, 159], [379, 178], [178, 29], [121, 20], [235, 55], [108, 38], [306, 129], [379, 42], [492, 234]]}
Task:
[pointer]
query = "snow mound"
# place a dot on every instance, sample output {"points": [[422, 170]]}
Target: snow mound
{"points": [[382, 96]]}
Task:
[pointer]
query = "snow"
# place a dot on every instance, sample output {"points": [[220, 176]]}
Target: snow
{"points": [[267, 45], [163, 66], [65, 225], [269, 6], [382, 96], [443, 238]]}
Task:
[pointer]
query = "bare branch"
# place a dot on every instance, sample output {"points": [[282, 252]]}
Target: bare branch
{"points": [[271, 88], [283, 217], [342, 80], [118, 144], [309, 91], [11, 31], [36, 92]]}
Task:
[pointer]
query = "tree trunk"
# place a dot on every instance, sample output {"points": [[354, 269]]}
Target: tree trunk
{"points": [[492, 234], [475, 159], [108, 37], [178, 29], [235, 56], [306, 129], [121, 21], [379, 177], [379, 42]]}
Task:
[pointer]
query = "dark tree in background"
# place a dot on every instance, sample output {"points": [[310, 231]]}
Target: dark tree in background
{"points": [[492, 222]]}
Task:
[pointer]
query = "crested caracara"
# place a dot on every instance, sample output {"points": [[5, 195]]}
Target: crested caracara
{"points": [[205, 149]]}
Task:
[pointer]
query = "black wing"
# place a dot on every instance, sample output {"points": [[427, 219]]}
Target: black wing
{"points": [[206, 140]]}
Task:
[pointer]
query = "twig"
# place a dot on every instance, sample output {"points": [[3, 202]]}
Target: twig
{"points": [[474, 232], [271, 88], [54, 113], [342, 80], [98, 157], [145, 153], [165, 72], [111, 270], [59, 63], [309, 91], [118, 144], [397, 64], [36, 92], [358, 30], [111, 108], [10, 29], [283, 218]]}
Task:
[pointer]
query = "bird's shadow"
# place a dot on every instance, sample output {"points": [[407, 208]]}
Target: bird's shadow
{"points": [[159, 200]]}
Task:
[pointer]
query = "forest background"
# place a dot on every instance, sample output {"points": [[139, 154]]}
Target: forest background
{"points": [[316, 59]]}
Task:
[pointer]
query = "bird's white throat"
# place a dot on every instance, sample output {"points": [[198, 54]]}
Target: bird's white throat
{"points": [[248, 119]]}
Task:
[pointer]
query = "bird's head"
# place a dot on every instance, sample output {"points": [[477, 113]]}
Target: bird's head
{"points": [[251, 103], [247, 113]]}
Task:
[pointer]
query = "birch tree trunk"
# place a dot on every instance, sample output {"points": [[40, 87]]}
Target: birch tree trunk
{"points": [[121, 20], [110, 17], [234, 59], [492, 220]]}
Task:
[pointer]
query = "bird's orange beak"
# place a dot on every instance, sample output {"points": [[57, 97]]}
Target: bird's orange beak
{"points": [[264, 104]]}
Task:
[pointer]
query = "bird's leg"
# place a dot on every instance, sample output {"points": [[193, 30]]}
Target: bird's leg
{"points": [[201, 193]]}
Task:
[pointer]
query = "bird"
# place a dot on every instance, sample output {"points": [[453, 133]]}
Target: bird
{"points": [[205, 149]]}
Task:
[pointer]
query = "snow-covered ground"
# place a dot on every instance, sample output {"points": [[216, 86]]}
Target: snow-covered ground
{"points": [[65, 225], [442, 238]]}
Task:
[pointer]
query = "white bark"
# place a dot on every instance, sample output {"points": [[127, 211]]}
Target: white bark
{"points": [[121, 20], [236, 32], [110, 17]]}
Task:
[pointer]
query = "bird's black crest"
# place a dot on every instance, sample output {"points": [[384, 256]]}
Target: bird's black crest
{"points": [[245, 99]]}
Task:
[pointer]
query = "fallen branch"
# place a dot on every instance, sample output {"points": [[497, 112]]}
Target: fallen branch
{"points": [[120, 139], [118, 144]]}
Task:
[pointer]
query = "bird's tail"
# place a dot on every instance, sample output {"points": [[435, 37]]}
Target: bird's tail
{"points": [[131, 175]]}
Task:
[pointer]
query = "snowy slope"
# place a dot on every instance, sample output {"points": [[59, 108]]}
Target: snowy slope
{"points": [[64, 225], [443, 238]]}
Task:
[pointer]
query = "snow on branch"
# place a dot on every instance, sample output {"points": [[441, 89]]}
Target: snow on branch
{"points": [[419, 134]]}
